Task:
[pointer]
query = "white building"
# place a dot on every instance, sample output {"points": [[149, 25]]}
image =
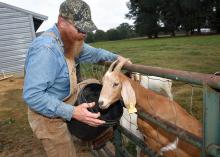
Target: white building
{"points": [[17, 30]]}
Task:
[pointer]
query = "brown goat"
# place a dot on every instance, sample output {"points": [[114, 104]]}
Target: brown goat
{"points": [[116, 86]]}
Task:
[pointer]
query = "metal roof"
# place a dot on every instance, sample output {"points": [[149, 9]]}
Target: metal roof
{"points": [[37, 18]]}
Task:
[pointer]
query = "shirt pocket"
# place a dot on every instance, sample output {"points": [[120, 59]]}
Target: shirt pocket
{"points": [[63, 76]]}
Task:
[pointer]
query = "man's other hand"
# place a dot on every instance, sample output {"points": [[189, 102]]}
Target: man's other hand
{"points": [[82, 114]]}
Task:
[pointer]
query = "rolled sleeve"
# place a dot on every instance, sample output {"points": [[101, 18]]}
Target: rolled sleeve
{"points": [[94, 55], [65, 111]]}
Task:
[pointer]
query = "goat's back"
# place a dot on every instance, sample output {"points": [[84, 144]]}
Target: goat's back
{"points": [[170, 111]]}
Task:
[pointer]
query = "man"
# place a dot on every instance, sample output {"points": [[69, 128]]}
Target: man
{"points": [[50, 78]]}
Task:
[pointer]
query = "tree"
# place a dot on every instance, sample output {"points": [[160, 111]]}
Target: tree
{"points": [[100, 35], [215, 15], [218, 16], [151, 16], [145, 13], [113, 34], [125, 31], [170, 15], [189, 10], [90, 37]]}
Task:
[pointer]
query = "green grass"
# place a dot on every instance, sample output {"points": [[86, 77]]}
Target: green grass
{"points": [[198, 54]]}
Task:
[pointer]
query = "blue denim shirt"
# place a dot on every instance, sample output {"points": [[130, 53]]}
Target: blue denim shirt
{"points": [[46, 81]]}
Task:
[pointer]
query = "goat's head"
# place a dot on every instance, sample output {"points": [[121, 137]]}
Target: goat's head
{"points": [[116, 86]]}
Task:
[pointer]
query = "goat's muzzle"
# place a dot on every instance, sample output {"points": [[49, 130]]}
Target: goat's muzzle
{"points": [[101, 104]]}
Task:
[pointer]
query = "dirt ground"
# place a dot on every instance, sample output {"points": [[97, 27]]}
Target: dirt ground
{"points": [[16, 137]]}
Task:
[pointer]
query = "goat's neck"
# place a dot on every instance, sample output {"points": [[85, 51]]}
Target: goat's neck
{"points": [[157, 105], [140, 93]]}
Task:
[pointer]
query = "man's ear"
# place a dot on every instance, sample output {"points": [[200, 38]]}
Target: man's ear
{"points": [[60, 22], [128, 95]]}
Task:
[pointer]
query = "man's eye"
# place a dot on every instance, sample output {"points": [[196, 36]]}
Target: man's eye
{"points": [[115, 84]]}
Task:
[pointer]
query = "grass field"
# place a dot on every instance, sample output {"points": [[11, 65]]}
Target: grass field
{"points": [[199, 54]]}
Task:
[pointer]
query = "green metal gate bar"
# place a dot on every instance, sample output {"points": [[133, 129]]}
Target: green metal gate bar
{"points": [[136, 140], [211, 122], [120, 151], [181, 133]]}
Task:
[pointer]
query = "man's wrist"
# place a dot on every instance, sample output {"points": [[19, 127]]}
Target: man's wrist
{"points": [[65, 111]]}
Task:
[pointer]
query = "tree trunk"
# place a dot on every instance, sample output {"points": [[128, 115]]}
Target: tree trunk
{"points": [[173, 34], [192, 32], [218, 16], [199, 30], [187, 33]]}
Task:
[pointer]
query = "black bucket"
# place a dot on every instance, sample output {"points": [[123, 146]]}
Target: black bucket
{"points": [[112, 115]]}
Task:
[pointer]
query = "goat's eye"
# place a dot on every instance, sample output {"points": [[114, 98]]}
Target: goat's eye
{"points": [[115, 84]]}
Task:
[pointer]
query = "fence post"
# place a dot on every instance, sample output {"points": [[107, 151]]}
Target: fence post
{"points": [[211, 122]]}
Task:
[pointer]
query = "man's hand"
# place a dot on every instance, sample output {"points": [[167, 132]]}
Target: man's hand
{"points": [[122, 59], [82, 114]]}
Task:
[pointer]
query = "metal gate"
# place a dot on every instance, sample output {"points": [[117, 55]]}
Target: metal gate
{"points": [[210, 144]]}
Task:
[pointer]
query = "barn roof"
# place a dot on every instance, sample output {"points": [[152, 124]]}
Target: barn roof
{"points": [[37, 18]]}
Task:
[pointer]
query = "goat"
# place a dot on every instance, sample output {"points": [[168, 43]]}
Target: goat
{"points": [[157, 84], [116, 86]]}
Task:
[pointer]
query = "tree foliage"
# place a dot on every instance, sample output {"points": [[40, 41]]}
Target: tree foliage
{"points": [[123, 31], [100, 35], [154, 16]]}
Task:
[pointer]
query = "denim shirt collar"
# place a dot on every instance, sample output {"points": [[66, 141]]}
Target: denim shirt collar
{"points": [[55, 30]]}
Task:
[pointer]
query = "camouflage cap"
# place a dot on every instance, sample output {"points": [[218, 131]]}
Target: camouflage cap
{"points": [[79, 13]]}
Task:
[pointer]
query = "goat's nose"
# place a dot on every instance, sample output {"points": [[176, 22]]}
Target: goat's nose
{"points": [[100, 104]]}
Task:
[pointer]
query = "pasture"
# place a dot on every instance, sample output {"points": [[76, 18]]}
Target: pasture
{"points": [[198, 54]]}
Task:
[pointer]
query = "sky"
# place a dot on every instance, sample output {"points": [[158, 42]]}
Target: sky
{"points": [[106, 14]]}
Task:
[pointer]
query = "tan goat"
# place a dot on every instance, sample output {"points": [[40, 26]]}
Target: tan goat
{"points": [[116, 86]]}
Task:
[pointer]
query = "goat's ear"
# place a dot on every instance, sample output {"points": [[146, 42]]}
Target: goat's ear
{"points": [[128, 96]]}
